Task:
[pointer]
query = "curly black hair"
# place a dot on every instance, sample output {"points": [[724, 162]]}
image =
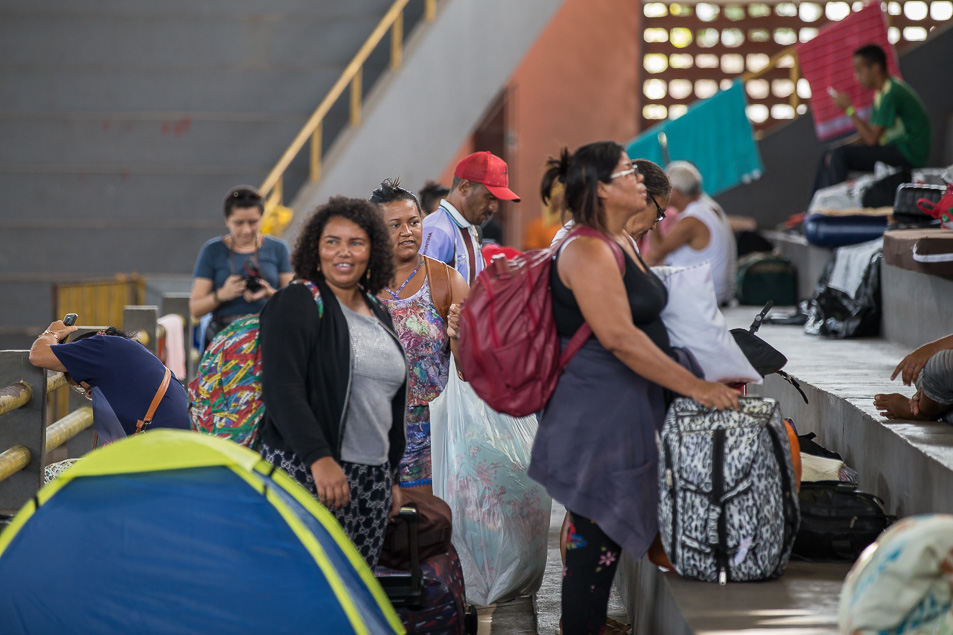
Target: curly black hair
{"points": [[380, 268]]}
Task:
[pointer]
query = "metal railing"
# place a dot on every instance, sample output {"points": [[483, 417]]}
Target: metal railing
{"points": [[393, 21], [794, 73], [29, 395]]}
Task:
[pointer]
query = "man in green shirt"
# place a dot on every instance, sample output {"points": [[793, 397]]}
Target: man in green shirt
{"points": [[897, 134]]}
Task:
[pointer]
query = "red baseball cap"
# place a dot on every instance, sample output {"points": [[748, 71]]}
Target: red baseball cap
{"points": [[488, 170]]}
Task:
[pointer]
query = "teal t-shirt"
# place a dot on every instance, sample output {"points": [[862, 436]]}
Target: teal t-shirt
{"points": [[904, 119], [216, 262]]}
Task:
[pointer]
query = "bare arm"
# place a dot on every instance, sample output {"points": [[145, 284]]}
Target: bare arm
{"points": [[459, 290], [687, 231], [910, 366], [868, 134], [588, 267], [284, 279], [41, 353], [205, 299]]}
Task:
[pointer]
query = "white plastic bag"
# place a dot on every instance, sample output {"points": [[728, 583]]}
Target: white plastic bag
{"points": [[500, 516]]}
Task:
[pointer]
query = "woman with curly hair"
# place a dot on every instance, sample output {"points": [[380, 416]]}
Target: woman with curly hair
{"points": [[334, 377]]}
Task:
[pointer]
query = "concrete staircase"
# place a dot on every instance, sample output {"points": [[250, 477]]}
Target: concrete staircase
{"points": [[416, 119], [125, 122]]}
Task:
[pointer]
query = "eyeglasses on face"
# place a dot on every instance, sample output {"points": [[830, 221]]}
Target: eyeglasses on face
{"points": [[661, 212], [634, 171]]}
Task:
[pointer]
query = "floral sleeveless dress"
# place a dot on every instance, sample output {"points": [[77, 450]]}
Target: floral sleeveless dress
{"points": [[423, 334]]}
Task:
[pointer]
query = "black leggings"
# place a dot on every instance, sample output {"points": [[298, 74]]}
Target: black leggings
{"points": [[591, 561]]}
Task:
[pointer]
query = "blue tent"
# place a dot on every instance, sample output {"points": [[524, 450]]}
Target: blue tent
{"points": [[173, 531]]}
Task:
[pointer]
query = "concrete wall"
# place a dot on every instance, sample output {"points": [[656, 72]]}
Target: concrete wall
{"points": [[791, 152], [451, 73], [580, 82]]}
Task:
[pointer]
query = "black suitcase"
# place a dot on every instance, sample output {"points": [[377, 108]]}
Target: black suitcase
{"points": [[431, 597]]}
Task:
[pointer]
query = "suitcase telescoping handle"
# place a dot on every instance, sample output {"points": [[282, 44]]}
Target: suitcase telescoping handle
{"points": [[411, 516]]}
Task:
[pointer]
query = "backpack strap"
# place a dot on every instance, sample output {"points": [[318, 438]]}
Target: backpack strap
{"points": [[440, 289], [580, 336], [143, 423], [315, 293]]}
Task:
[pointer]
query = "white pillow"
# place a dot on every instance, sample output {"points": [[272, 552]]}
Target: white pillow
{"points": [[693, 321]]}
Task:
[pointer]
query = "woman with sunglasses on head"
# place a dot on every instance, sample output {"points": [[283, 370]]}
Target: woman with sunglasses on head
{"points": [[333, 373], [235, 274], [595, 448], [419, 298], [118, 374]]}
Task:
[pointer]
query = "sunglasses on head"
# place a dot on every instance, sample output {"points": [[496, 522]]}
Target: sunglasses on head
{"points": [[246, 196]]}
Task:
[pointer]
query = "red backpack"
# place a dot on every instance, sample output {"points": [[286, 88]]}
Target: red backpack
{"points": [[509, 349]]}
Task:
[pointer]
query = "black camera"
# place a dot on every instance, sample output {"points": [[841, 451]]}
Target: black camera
{"points": [[252, 276]]}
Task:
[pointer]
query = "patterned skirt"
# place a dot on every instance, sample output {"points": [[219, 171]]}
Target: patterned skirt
{"points": [[364, 519], [415, 465]]}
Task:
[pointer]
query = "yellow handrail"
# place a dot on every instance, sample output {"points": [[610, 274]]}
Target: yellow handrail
{"points": [[352, 77]]}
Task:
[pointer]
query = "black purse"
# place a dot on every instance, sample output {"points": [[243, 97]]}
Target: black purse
{"points": [[765, 358]]}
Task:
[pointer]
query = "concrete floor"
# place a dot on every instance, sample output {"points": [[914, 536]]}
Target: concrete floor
{"points": [[526, 615]]}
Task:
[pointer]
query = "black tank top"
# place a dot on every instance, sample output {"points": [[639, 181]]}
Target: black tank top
{"points": [[647, 297]]}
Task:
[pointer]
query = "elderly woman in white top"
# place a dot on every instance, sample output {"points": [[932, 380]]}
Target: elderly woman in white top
{"points": [[701, 234]]}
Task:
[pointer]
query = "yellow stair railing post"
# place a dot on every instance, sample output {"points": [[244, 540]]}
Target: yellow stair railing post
{"points": [[356, 93], [314, 173], [397, 42]]}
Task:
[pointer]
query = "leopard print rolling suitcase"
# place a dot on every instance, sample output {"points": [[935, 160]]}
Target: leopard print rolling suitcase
{"points": [[728, 506]]}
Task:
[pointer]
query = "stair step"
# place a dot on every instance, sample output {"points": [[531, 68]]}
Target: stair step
{"points": [[271, 40], [169, 195], [59, 90], [83, 142]]}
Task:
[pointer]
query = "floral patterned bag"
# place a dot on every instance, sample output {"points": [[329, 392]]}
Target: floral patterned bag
{"points": [[500, 515]]}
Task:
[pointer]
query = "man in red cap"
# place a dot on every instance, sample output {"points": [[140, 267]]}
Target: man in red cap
{"points": [[480, 182]]}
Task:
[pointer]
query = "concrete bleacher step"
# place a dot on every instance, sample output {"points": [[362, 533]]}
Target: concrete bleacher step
{"points": [[907, 464]]}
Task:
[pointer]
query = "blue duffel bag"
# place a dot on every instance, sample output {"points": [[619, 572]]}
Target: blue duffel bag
{"points": [[823, 230]]}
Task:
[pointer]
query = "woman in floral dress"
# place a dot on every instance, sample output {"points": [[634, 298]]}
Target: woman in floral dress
{"points": [[423, 300]]}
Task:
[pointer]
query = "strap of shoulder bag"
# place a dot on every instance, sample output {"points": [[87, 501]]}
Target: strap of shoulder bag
{"points": [[440, 288], [142, 424], [580, 336]]}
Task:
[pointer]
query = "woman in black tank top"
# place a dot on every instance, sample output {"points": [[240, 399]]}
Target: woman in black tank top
{"points": [[595, 449]]}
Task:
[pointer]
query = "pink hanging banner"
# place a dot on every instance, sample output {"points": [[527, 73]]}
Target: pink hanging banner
{"points": [[825, 63]]}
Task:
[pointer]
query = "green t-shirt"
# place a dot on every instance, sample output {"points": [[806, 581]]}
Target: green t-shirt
{"points": [[904, 119]]}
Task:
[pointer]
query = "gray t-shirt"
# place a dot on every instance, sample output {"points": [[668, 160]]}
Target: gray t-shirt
{"points": [[378, 371]]}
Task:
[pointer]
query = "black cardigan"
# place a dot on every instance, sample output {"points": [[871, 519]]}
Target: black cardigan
{"points": [[306, 370]]}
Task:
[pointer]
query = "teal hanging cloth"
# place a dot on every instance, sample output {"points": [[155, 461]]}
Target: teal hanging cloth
{"points": [[716, 136], [646, 146]]}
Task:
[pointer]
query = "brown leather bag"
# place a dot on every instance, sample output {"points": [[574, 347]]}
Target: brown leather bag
{"points": [[440, 289], [434, 530]]}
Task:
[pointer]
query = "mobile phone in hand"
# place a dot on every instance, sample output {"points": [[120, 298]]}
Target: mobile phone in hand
{"points": [[70, 319]]}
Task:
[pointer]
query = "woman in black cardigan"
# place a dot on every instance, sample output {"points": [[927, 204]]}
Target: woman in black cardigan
{"points": [[334, 377]]}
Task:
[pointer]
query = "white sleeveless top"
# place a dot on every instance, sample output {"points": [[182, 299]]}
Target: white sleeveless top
{"points": [[721, 252]]}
